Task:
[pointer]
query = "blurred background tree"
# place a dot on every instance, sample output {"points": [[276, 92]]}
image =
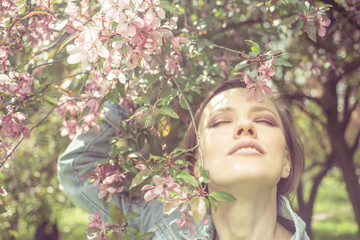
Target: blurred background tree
{"points": [[320, 80]]}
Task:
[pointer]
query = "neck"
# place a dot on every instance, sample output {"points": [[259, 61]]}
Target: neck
{"points": [[253, 216]]}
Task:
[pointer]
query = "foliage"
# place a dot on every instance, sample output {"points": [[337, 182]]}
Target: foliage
{"points": [[158, 59]]}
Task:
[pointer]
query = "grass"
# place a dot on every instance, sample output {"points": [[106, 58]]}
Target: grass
{"points": [[333, 217]]}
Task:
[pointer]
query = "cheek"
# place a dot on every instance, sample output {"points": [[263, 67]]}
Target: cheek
{"points": [[214, 141]]}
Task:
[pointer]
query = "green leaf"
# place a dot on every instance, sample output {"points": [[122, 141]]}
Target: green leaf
{"points": [[310, 29], [166, 5], [326, 6], [67, 40], [299, 25], [148, 235], [170, 207], [172, 172], [204, 179], [50, 101], [168, 112], [281, 62], [241, 65], [140, 177], [131, 229], [103, 161], [183, 103], [121, 89], [222, 196], [187, 177], [58, 25], [141, 100], [198, 208], [148, 120], [255, 47], [131, 215], [117, 236], [289, 20], [116, 215], [177, 152], [213, 203]]}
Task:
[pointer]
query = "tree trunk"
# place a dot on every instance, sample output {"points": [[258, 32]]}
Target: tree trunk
{"points": [[352, 185], [306, 208]]}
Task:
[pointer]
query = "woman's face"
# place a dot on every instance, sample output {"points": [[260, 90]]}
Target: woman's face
{"points": [[242, 140]]}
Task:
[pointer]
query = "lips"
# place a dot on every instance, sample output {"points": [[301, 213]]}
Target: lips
{"points": [[248, 147]]}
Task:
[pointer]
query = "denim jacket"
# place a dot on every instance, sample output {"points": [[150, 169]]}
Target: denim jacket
{"points": [[86, 149]]}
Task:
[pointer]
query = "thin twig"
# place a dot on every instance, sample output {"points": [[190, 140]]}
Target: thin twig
{"points": [[215, 45], [193, 122], [48, 63], [38, 124], [45, 86], [41, 51]]}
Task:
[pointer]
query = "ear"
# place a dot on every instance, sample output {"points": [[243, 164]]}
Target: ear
{"points": [[286, 165]]}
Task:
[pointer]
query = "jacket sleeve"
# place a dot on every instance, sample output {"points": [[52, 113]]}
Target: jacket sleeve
{"points": [[81, 157]]}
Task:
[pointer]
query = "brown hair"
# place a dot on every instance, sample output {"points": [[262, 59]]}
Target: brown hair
{"points": [[293, 143]]}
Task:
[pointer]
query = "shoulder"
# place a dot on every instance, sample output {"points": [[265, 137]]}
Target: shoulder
{"points": [[165, 227]]}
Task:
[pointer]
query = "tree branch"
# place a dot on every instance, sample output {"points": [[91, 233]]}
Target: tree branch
{"points": [[193, 123], [233, 26], [342, 11], [47, 63], [22, 138], [216, 46], [356, 143]]}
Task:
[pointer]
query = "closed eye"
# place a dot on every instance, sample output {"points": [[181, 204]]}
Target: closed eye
{"points": [[218, 123], [269, 122]]}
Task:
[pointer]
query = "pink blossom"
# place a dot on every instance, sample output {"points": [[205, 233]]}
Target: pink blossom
{"points": [[322, 24], [266, 69], [175, 42], [129, 23], [113, 9], [106, 190], [5, 148], [97, 227], [87, 47], [72, 10], [70, 127], [255, 89], [172, 65], [3, 56], [185, 222], [159, 189], [151, 20], [3, 192], [43, 4], [206, 220]]}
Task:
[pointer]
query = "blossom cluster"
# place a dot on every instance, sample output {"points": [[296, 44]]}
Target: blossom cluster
{"points": [[255, 89], [18, 32], [12, 121], [117, 40], [97, 228], [82, 111], [315, 17]]}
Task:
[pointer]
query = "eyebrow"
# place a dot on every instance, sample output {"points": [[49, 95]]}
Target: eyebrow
{"points": [[252, 109], [261, 109]]}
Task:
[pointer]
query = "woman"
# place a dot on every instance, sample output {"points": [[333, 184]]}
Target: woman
{"points": [[250, 151]]}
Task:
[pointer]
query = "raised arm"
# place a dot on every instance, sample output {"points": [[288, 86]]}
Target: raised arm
{"points": [[80, 158]]}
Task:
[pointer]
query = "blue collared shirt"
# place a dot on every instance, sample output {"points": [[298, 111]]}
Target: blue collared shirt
{"points": [[86, 149]]}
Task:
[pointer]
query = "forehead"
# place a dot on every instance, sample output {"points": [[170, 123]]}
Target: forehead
{"points": [[235, 98]]}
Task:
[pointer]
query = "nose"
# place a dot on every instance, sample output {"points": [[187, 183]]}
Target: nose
{"points": [[245, 128]]}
